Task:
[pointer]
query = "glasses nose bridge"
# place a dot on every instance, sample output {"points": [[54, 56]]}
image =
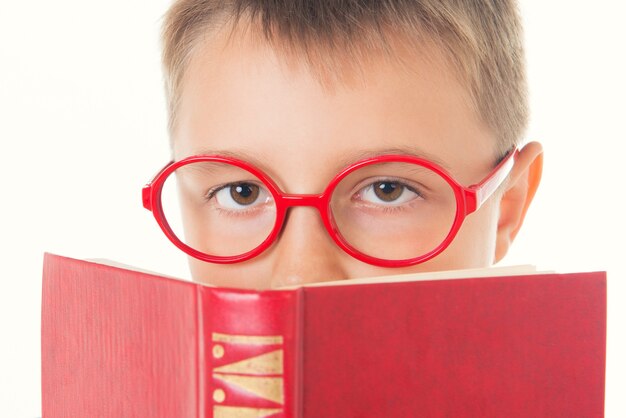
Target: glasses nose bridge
{"points": [[315, 200], [318, 201]]}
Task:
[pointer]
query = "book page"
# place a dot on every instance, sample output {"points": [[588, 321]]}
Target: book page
{"points": [[434, 275], [117, 264], [498, 271]]}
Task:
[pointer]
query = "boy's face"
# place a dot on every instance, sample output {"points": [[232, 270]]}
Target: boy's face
{"points": [[239, 99]]}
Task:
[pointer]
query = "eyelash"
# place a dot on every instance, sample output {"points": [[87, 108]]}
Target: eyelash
{"points": [[210, 194], [392, 209]]}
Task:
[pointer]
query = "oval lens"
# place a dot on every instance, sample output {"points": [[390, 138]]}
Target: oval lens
{"points": [[394, 210], [217, 208]]}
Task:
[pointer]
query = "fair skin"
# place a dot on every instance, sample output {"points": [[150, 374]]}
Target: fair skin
{"points": [[275, 114]]}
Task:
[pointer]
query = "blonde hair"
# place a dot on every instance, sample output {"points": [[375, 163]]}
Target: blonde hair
{"points": [[482, 39]]}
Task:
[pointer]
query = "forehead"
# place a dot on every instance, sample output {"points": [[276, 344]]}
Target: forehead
{"points": [[297, 113]]}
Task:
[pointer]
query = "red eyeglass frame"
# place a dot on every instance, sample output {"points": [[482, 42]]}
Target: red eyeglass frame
{"points": [[468, 199]]}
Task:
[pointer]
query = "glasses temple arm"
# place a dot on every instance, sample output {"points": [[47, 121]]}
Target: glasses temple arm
{"points": [[488, 186]]}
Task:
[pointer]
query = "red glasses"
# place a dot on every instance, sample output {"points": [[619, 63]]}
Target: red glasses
{"points": [[390, 211]]}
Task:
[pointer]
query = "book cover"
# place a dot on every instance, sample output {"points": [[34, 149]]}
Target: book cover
{"points": [[118, 342]]}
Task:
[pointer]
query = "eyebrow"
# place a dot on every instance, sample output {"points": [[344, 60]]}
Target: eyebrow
{"points": [[257, 159], [358, 155], [253, 157]]}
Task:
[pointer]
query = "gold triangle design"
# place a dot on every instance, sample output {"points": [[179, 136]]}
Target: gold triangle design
{"points": [[268, 363], [240, 412], [270, 388], [248, 339]]}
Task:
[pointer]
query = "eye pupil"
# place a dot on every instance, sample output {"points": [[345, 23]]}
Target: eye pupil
{"points": [[244, 193], [387, 190]]}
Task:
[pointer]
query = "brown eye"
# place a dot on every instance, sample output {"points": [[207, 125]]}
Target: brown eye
{"points": [[244, 193], [388, 191]]}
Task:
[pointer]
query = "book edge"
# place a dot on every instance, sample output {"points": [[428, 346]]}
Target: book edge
{"points": [[473, 273]]}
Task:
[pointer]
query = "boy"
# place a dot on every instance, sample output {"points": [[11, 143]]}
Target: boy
{"points": [[280, 97]]}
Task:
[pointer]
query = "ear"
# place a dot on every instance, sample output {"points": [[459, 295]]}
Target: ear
{"points": [[517, 195]]}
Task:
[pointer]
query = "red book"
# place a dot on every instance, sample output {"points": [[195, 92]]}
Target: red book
{"points": [[122, 343]]}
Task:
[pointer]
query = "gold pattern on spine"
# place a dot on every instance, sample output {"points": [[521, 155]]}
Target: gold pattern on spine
{"points": [[219, 395], [218, 351], [270, 388], [268, 363], [248, 339], [260, 376], [240, 412]]}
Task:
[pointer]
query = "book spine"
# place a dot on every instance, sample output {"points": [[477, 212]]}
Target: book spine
{"points": [[250, 354]]}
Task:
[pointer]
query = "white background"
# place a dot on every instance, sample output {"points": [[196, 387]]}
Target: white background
{"points": [[82, 127]]}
